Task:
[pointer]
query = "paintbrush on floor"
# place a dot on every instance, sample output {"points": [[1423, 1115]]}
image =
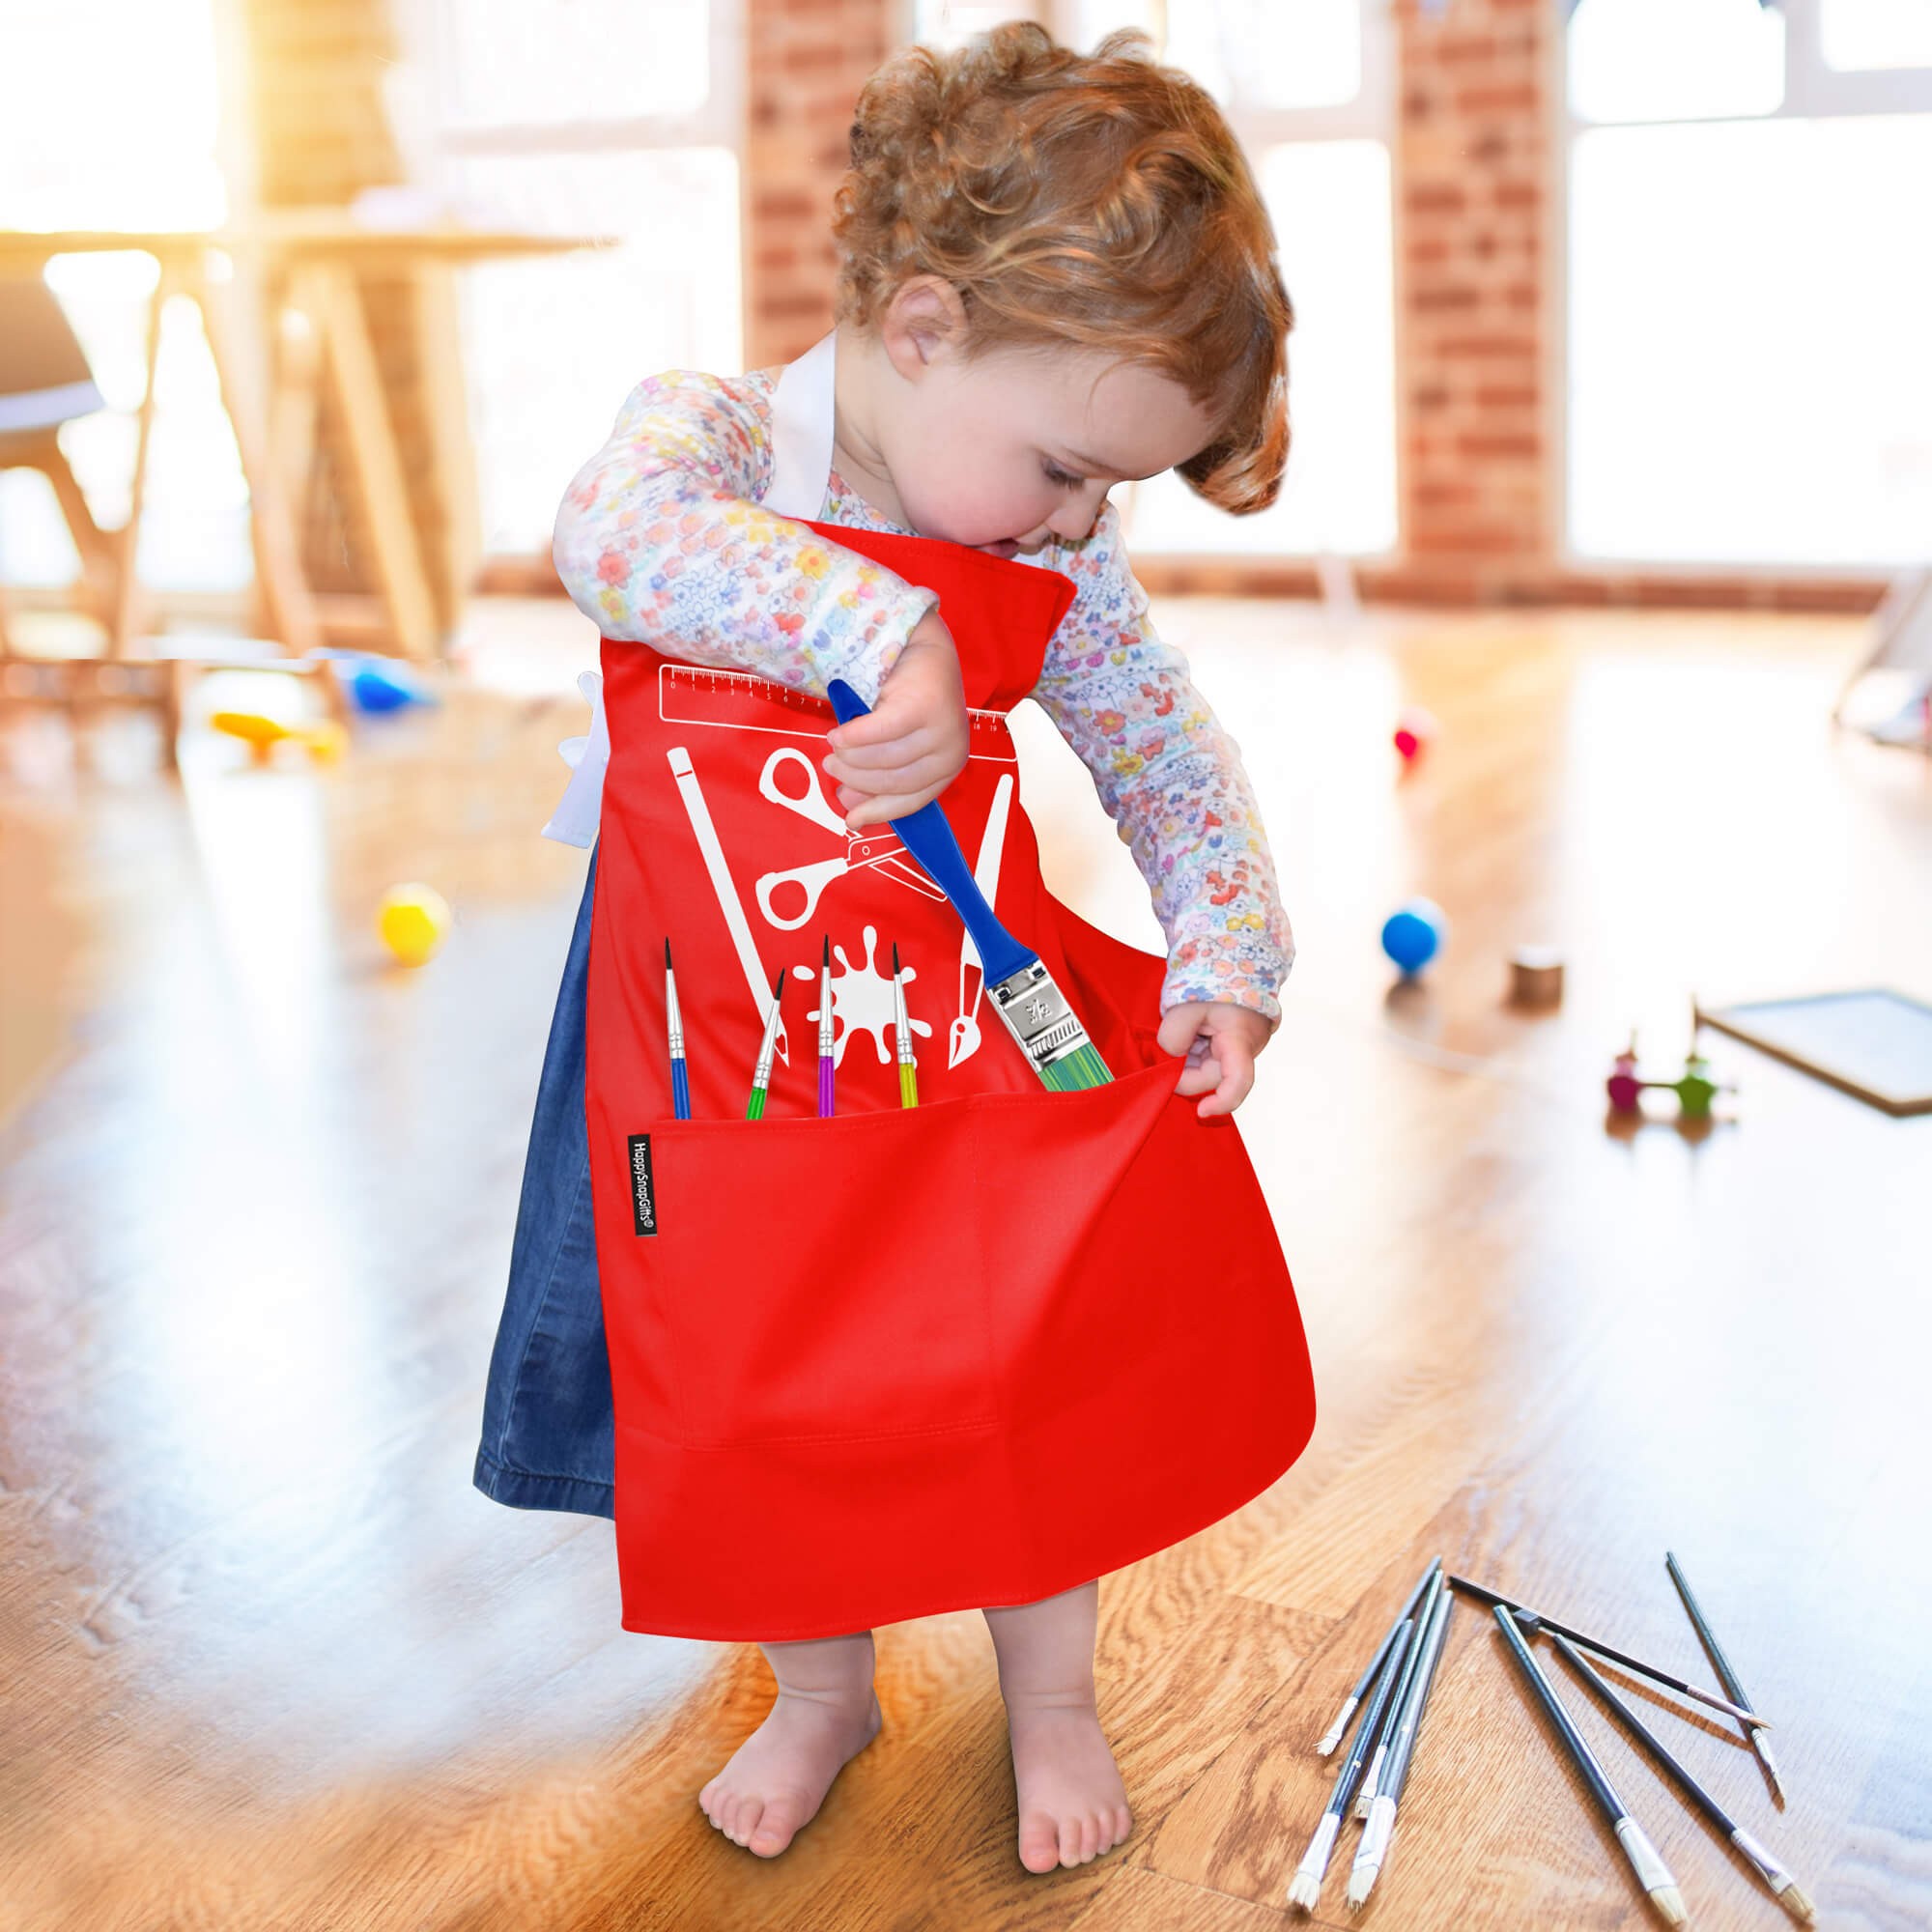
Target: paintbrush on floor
{"points": [[1652, 1873], [1337, 1730], [1379, 1745], [1373, 1852], [1727, 1676], [1030, 1004], [1305, 1887], [1536, 1620], [1785, 1889]]}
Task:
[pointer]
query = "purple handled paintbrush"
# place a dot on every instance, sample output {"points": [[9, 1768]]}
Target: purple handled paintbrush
{"points": [[824, 1025]]}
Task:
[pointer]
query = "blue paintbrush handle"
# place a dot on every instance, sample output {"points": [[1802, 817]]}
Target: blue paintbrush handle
{"points": [[929, 838]]}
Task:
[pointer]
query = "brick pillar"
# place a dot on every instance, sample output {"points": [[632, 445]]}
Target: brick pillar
{"points": [[806, 61], [1476, 162]]}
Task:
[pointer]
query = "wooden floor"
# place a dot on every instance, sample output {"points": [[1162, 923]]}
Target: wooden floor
{"points": [[270, 1661]]}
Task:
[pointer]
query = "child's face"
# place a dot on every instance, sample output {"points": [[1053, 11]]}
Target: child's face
{"points": [[1017, 448]]}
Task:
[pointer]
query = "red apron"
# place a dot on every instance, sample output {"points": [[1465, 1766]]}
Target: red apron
{"points": [[895, 1363]]}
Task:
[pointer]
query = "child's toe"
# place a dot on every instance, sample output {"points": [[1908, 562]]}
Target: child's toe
{"points": [[1040, 1842], [777, 1824]]}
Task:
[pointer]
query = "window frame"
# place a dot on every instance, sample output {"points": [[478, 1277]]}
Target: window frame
{"points": [[1812, 91], [1369, 115]]}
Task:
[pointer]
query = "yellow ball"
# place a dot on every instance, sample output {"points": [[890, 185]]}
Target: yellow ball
{"points": [[414, 921]]}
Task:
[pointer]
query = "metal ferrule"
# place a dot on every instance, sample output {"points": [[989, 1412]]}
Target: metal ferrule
{"points": [[1315, 1860], [902, 1031], [762, 1075], [1653, 1874], [1774, 1874], [1376, 1833], [674, 1018], [825, 1021], [1036, 1014], [1366, 1797]]}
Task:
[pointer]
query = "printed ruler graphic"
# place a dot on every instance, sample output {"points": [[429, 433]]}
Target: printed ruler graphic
{"points": [[736, 700]]}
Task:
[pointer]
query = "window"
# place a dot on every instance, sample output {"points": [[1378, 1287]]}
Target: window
{"points": [[1748, 378], [620, 118], [1855, 34], [127, 142], [1308, 91]]}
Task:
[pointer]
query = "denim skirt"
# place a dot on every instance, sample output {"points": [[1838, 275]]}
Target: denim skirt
{"points": [[548, 1438]]}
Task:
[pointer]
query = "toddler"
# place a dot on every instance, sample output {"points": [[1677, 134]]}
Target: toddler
{"points": [[1055, 275]]}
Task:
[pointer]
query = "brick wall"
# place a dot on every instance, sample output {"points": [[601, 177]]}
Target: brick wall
{"points": [[1474, 164], [1475, 170], [806, 61]]}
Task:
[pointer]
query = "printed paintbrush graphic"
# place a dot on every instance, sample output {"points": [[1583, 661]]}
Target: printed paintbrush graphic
{"points": [[862, 999]]}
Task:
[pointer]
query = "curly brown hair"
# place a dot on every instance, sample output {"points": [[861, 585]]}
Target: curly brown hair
{"points": [[1096, 201]]}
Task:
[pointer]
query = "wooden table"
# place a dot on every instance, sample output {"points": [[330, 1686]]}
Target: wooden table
{"points": [[310, 259]]}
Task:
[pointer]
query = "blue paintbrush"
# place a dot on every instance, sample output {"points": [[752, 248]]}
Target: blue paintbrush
{"points": [[1034, 1010]]}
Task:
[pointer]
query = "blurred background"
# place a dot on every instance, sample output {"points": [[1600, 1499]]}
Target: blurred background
{"points": [[1596, 302]]}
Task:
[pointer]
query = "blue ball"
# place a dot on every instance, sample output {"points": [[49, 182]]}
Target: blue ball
{"points": [[1414, 935]]}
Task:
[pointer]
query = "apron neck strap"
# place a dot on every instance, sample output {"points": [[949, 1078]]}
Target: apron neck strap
{"points": [[802, 426]]}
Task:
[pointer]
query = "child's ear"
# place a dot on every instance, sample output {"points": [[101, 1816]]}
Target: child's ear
{"points": [[923, 320]]}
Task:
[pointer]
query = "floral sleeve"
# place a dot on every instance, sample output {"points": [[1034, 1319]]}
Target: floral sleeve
{"points": [[1172, 781], [657, 540]]}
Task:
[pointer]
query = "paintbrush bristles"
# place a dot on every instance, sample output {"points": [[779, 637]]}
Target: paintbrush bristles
{"points": [[1335, 1730], [1081, 1068]]}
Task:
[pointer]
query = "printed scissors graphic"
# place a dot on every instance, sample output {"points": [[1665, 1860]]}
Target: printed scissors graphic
{"points": [[881, 847]]}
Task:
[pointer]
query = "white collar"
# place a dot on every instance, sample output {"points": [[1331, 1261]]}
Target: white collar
{"points": [[802, 431]]}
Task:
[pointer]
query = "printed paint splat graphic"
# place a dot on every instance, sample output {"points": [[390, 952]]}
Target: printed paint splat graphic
{"points": [[862, 999]]}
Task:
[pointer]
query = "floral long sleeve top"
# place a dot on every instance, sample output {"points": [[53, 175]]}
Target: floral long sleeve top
{"points": [[659, 538]]}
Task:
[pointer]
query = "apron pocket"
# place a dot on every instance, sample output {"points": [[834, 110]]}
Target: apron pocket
{"points": [[830, 1280]]}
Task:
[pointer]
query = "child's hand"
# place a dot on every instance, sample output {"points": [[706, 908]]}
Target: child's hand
{"points": [[912, 745], [1220, 1040]]}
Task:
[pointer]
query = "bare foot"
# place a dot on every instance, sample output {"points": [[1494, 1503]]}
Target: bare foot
{"points": [[778, 1778], [1072, 1804]]}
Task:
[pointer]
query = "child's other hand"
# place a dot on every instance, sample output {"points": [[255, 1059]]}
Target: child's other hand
{"points": [[1220, 1040], [912, 745]]}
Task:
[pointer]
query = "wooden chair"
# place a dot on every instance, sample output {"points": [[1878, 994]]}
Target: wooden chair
{"points": [[46, 381]]}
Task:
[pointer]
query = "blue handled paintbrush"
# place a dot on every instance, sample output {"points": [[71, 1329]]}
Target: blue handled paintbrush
{"points": [[1033, 1009], [680, 1076]]}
